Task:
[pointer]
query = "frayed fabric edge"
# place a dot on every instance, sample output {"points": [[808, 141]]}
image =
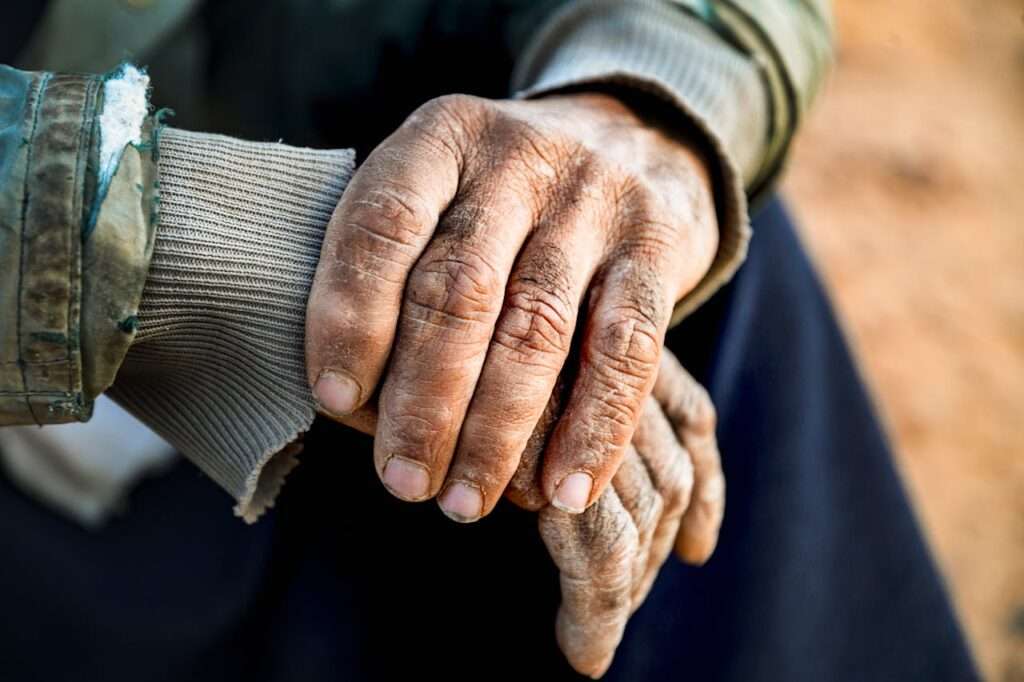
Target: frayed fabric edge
{"points": [[121, 123], [264, 484]]}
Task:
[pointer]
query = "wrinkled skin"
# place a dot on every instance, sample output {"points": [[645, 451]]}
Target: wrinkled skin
{"points": [[668, 493], [491, 303], [473, 248]]}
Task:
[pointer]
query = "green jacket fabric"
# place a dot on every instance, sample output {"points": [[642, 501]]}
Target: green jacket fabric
{"points": [[75, 246]]}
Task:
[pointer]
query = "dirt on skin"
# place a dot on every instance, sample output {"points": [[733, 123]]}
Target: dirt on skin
{"points": [[908, 180]]}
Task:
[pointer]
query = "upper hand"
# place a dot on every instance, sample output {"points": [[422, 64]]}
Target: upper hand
{"points": [[461, 259]]}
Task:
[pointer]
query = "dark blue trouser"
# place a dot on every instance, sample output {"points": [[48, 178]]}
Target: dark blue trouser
{"points": [[821, 572]]}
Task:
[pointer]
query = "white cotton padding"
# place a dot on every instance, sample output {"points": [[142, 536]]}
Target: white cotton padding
{"points": [[125, 106]]}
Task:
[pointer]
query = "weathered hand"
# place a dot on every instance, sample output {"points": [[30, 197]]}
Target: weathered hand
{"points": [[669, 492], [454, 272]]}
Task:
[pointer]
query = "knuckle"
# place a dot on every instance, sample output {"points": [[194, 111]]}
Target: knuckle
{"points": [[337, 330], [449, 121], [415, 421], [711, 492], [702, 417], [639, 203], [627, 348], [389, 216], [651, 228], [454, 289], [679, 486], [615, 412], [538, 320], [541, 153], [490, 467], [614, 559]]}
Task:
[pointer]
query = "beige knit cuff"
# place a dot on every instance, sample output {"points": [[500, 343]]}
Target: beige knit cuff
{"points": [[218, 365], [658, 48]]}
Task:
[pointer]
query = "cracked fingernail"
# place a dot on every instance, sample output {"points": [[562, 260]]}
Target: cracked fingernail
{"points": [[462, 502], [573, 493], [336, 393], [406, 479]]}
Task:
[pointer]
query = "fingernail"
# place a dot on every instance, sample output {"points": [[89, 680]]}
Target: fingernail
{"points": [[336, 393], [406, 479], [462, 502], [573, 492]]}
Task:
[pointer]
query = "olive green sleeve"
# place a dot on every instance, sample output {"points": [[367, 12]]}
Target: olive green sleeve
{"points": [[738, 73], [76, 233], [791, 43]]}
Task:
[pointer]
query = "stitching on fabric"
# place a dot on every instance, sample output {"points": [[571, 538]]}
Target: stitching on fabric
{"points": [[42, 363], [83, 139], [26, 195]]}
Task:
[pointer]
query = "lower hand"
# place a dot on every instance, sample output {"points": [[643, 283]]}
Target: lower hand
{"points": [[668, 493]]}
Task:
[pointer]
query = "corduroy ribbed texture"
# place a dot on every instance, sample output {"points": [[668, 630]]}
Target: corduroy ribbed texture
{"points": [[657, 47], [218, 365]]}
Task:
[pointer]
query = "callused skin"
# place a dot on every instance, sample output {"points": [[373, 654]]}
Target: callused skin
{"points": [[668, 493], [471, 250]]}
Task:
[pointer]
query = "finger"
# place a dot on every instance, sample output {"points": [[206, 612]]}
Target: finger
{"points": [[687, 405], [633, 485], [531, 341], [380, 227], [671, 471], [363, 419], [622, 339], [594, 554], [524, 489], [453, 298]]}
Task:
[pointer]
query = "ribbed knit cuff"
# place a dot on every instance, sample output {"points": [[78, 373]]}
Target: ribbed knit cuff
{"points": [[218, 364], [658, 48]]}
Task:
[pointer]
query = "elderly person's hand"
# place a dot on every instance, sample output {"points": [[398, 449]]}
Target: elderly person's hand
{"points": [[669, 492], [461, 259]]}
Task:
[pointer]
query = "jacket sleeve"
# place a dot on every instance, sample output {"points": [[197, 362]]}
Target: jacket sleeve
{"points": [[739, 73], [76, 234], [176, 263]]}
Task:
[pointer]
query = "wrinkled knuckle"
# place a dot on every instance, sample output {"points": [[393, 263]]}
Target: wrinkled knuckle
{"points": [[536, 322], [449, 123], [456, 112], [629, 347], [338, 331], [615, 559], [455, 287], [489, 461], [616, 412], [418, 425], [652, 231], [389, 216], [640, 203]]}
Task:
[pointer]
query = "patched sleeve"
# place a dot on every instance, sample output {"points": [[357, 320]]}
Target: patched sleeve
{"points": [[77, 198]]}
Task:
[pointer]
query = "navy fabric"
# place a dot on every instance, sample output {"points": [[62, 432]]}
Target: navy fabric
{"points": [[19, 20], [821, 572]]}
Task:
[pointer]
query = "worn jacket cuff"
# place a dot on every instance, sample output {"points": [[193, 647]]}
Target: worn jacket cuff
{"points": [[218, 367], [660, 49], [75, 238]]}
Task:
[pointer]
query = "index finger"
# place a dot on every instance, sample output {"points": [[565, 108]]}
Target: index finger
{"points": [[380, 227]]}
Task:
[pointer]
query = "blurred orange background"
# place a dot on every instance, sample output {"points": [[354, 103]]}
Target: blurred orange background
{"points": [[908, 180]]}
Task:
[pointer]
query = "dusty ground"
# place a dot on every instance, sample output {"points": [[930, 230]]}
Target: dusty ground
{"points": [[909, 180]]}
